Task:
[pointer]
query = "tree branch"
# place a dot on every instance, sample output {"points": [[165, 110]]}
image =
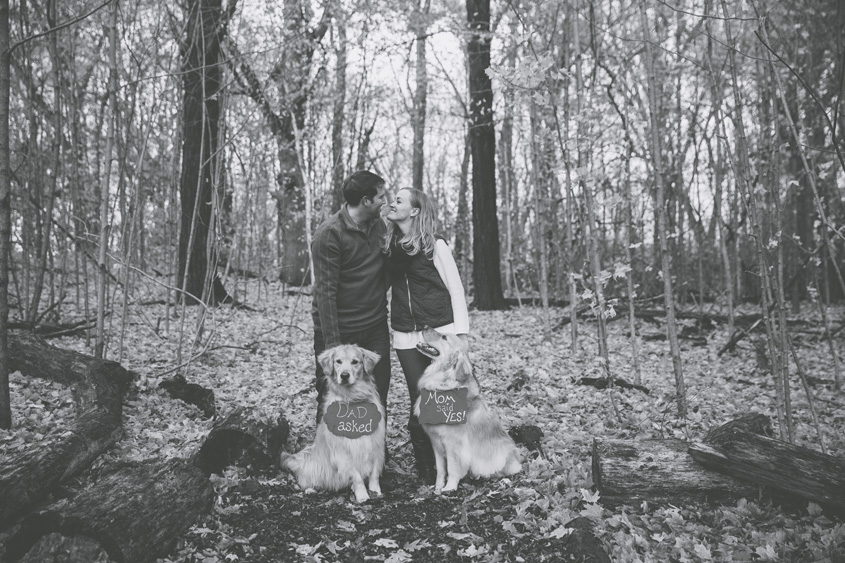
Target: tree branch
{"points": [[61, 26]]}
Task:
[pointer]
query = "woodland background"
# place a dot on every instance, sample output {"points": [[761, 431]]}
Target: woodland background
{"points": [[578, 151], [613, 158]]}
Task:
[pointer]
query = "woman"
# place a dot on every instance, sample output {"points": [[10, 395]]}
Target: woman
{"points": [[427, 291]]}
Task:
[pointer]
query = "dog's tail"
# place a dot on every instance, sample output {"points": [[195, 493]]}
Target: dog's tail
{"points": [[313, 468], [285, 460]]}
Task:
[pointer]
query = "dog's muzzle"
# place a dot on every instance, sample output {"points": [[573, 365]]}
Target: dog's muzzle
{"points": [[344, 377], [428, 350]]}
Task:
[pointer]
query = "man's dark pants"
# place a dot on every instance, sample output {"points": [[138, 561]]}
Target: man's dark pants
{"points": [[376, 339]]}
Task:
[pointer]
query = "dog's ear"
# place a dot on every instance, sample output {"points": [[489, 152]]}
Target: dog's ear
{"points": [[460, 363], [370, 360], [326, 359]]}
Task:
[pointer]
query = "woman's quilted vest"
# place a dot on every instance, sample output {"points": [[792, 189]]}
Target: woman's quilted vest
{"points": [[420, 298]]}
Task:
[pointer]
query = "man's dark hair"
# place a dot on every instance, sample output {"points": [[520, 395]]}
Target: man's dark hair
{"points": [[361, 184]]}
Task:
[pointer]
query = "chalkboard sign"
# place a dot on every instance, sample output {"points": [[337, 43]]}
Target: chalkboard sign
{"points": [[352, 420], [443, 406]]}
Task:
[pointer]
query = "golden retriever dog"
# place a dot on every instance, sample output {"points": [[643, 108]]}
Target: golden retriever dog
{"points": [[474, 442], [349, 443]]}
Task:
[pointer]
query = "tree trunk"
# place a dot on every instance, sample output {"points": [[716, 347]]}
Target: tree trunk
{"points": [[291, 75], [718, 175], [5, 216], [591, 232], [629, 257], [463, 242], [98, 389], [200, 120], [486, 272], [745, 182], [49, 199], [506, 168], [539, 178], [339, 115], [420, 26], [571, 205], [660, 206], [105, 182]]}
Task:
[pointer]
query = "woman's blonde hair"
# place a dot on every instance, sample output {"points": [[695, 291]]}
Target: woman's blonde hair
{"points": [[420, 237]]}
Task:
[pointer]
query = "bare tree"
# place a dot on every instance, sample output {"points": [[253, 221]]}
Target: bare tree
{"points": [[201, 83], [666, 257], [419, 23], [103, 270], [339, 112], [291, 75], [5, 215], [486, 271]]}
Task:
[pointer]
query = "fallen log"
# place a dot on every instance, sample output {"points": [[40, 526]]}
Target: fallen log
{"points": [[604, 382], [134, 514], [659, 471], [792, 469], [191, 393], [98, 388], [137, 512], [240, 440]]}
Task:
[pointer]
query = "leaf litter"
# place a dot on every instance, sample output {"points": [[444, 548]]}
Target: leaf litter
{"points": [[262, 360]]}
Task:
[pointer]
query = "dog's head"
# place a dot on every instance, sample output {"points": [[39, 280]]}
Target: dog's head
{"points": [[347, 364], [448, 352]]}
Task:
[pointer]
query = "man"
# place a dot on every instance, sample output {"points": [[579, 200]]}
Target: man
{"points": [[350, 285]]}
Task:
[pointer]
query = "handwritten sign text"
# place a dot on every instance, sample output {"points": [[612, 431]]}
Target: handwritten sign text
{"points": [[352, 420], [438, 406]]}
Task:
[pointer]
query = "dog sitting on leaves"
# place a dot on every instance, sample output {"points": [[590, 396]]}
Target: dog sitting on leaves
{"points": [[349, 443], [467, 440]]}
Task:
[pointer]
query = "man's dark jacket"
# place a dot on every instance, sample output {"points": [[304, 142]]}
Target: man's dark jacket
{"points": [[350, 281]]}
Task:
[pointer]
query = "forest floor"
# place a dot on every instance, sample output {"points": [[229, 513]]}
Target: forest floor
{"points": [[261, 360]]}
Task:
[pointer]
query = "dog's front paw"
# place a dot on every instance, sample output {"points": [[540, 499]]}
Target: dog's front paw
{"points": [[450, 487], [310, 491], [375, 491], [361, 497]]}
